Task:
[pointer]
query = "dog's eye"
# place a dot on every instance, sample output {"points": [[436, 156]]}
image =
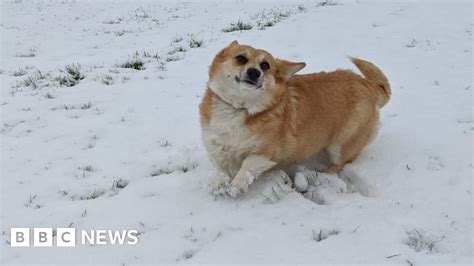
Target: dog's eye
{"points": [[264, 65], [241, 59]]}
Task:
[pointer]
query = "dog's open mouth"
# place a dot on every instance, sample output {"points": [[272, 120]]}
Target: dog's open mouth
{"points": [[250, 82]]}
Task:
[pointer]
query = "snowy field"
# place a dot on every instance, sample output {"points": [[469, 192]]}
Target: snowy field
{"points": [[100, 130]]}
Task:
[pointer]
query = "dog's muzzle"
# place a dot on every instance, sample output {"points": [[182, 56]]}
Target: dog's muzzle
{"points": [[251, 77]]}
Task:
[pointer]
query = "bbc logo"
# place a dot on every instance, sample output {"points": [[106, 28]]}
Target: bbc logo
{"points": [[66, 237], [43, 237]]}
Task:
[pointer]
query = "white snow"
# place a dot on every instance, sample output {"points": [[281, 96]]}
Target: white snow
{"points": [[122, 148]]}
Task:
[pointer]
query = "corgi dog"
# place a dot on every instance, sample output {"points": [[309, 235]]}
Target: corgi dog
{"points": [[257, 114]]}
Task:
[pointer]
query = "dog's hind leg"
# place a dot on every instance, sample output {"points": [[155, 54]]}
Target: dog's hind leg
{"points": [[349, 150]]}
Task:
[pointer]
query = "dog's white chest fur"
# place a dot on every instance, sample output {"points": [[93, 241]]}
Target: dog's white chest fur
{"points": [[226, 139]]}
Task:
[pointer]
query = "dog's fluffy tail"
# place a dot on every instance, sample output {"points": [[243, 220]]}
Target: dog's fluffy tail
{"points": [[373, 73]]}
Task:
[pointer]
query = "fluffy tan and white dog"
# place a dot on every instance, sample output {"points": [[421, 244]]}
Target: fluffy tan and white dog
{"points": [[257, 114]]}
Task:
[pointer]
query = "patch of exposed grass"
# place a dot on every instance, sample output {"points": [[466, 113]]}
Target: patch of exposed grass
{"points": [[185, 168], [177, 39], [270, 17], [29, 53], [238, 26], [119, 33], [94, 195], [158, 172], [72, 75], [33, 80], [117, 21], [187, 254], [177, 49], [327, 3], [324, 234], [74, 70], [87, 168], [114, 70], [19, 72], [282, 13], [418, 241], [86, 106], [195, 43], [107, 80], [173, 58], [31, 203], [141, 13], [119, 184], [147, 54], [412, 44], [66, 107], [134, 63], [164, 144]]}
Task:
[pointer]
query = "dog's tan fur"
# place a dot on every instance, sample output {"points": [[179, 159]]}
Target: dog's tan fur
{"points": [[296, 117]]}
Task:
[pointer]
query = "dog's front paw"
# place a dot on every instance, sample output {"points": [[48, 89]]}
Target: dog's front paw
{"points": [[220, 185], [238, 186]]}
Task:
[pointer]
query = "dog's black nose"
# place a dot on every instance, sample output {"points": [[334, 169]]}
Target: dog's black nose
{"points": [[253, 74]]}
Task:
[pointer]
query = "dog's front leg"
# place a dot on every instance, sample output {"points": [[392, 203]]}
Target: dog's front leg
{"points": [[252, 167], [218, 186]]}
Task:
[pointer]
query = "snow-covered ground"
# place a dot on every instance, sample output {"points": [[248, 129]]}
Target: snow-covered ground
{"points": [[121, 149]]}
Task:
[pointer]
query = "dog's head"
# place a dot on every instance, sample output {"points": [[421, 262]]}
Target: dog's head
{"points": [[249, 78]]}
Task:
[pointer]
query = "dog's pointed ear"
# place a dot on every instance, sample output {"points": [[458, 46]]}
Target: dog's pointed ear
{"points": [[287, 69], [233, 43]]}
